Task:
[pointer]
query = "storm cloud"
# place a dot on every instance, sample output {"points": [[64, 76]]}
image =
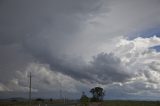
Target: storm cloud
{"points": [[78, 44], [39, 31]]}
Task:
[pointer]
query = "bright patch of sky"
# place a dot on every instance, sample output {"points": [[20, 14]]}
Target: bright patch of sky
{"points": [[155, 31], [157, 48]]}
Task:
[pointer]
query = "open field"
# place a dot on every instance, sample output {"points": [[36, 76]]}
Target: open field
{"points": [[131, 103], [105, 103], [35, 104]]}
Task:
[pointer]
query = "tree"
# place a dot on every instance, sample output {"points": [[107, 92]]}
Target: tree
{"points": [[97, 93], [84, 99]]}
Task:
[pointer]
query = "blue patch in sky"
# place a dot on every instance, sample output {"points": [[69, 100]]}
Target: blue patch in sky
{"points": [[146, 33], [157, 48]]}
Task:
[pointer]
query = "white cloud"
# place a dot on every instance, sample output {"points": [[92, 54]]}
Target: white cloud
{"points": [[142, 62], [137, 49], [3, 87], [45, 79], [120, 19]]}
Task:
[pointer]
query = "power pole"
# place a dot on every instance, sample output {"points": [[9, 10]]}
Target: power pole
{"points": [[30, 80]]}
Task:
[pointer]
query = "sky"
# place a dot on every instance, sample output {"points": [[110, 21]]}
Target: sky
{"points": [[75, 45]]}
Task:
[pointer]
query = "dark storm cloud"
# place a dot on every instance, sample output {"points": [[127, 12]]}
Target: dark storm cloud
{"points": [[41, 31], [104, 68], [20, 18], [109, 68], [44, 27], [12, 58]]}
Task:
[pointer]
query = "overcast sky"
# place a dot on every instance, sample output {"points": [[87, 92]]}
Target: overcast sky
{"points": [[74, 45]]}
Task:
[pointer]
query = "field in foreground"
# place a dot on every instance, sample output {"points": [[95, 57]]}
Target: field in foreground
{"points": [[131, 103], [105, 103]]}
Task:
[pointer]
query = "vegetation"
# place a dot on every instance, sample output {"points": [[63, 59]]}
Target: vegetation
{"points": [[36, 103], [104, 103], [130, 103], [97, 94], [84, 99]]}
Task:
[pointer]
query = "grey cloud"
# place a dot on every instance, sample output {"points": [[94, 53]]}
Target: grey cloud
{"points": [[154, 66], [132, 91], [109, 68], [12, 58], [20, 17], [104, 68], [41, 31], [54, 32]]}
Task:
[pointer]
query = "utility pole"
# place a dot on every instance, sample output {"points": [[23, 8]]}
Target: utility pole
{"points": [[30, 80]]}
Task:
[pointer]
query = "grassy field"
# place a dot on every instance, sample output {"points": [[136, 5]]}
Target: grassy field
{"points": [[105, 103], [35, 103], [131, 103]]}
